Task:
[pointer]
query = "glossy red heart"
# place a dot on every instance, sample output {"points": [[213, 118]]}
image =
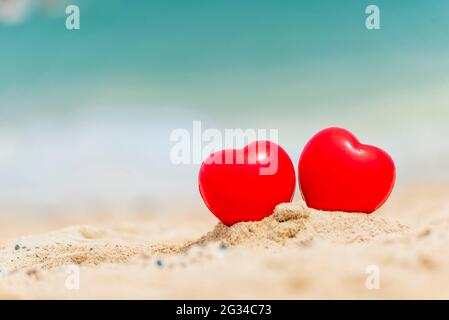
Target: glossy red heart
{"points": [[247, 184], [338, 173]]}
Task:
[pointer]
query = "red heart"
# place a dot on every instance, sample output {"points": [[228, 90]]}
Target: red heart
{"points": [[246, 184], [338, 173]]}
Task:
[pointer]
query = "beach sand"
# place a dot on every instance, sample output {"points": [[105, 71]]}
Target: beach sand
{"points": [[296, 253]]}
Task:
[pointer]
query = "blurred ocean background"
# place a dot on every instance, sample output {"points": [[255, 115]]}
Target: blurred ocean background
{"points": [[86, 115]]}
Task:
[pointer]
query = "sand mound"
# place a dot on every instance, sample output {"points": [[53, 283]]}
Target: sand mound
{"points": [[296, 223]]}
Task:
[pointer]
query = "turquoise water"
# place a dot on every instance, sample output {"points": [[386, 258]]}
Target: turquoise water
{"points": [[223, 54], [87, 114]]}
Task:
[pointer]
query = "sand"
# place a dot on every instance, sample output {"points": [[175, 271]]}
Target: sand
{"points": [[296, 253]]}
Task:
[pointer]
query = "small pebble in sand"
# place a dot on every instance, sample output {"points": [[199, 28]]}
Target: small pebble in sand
{"points": [[17, 247], [158, 262]]}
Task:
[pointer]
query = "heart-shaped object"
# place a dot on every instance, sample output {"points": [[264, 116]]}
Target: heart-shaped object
{"points": [[247, 184], [338, 173]]}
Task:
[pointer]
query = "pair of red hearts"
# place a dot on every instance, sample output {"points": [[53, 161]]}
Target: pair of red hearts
{"points": [[336, 173]]}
